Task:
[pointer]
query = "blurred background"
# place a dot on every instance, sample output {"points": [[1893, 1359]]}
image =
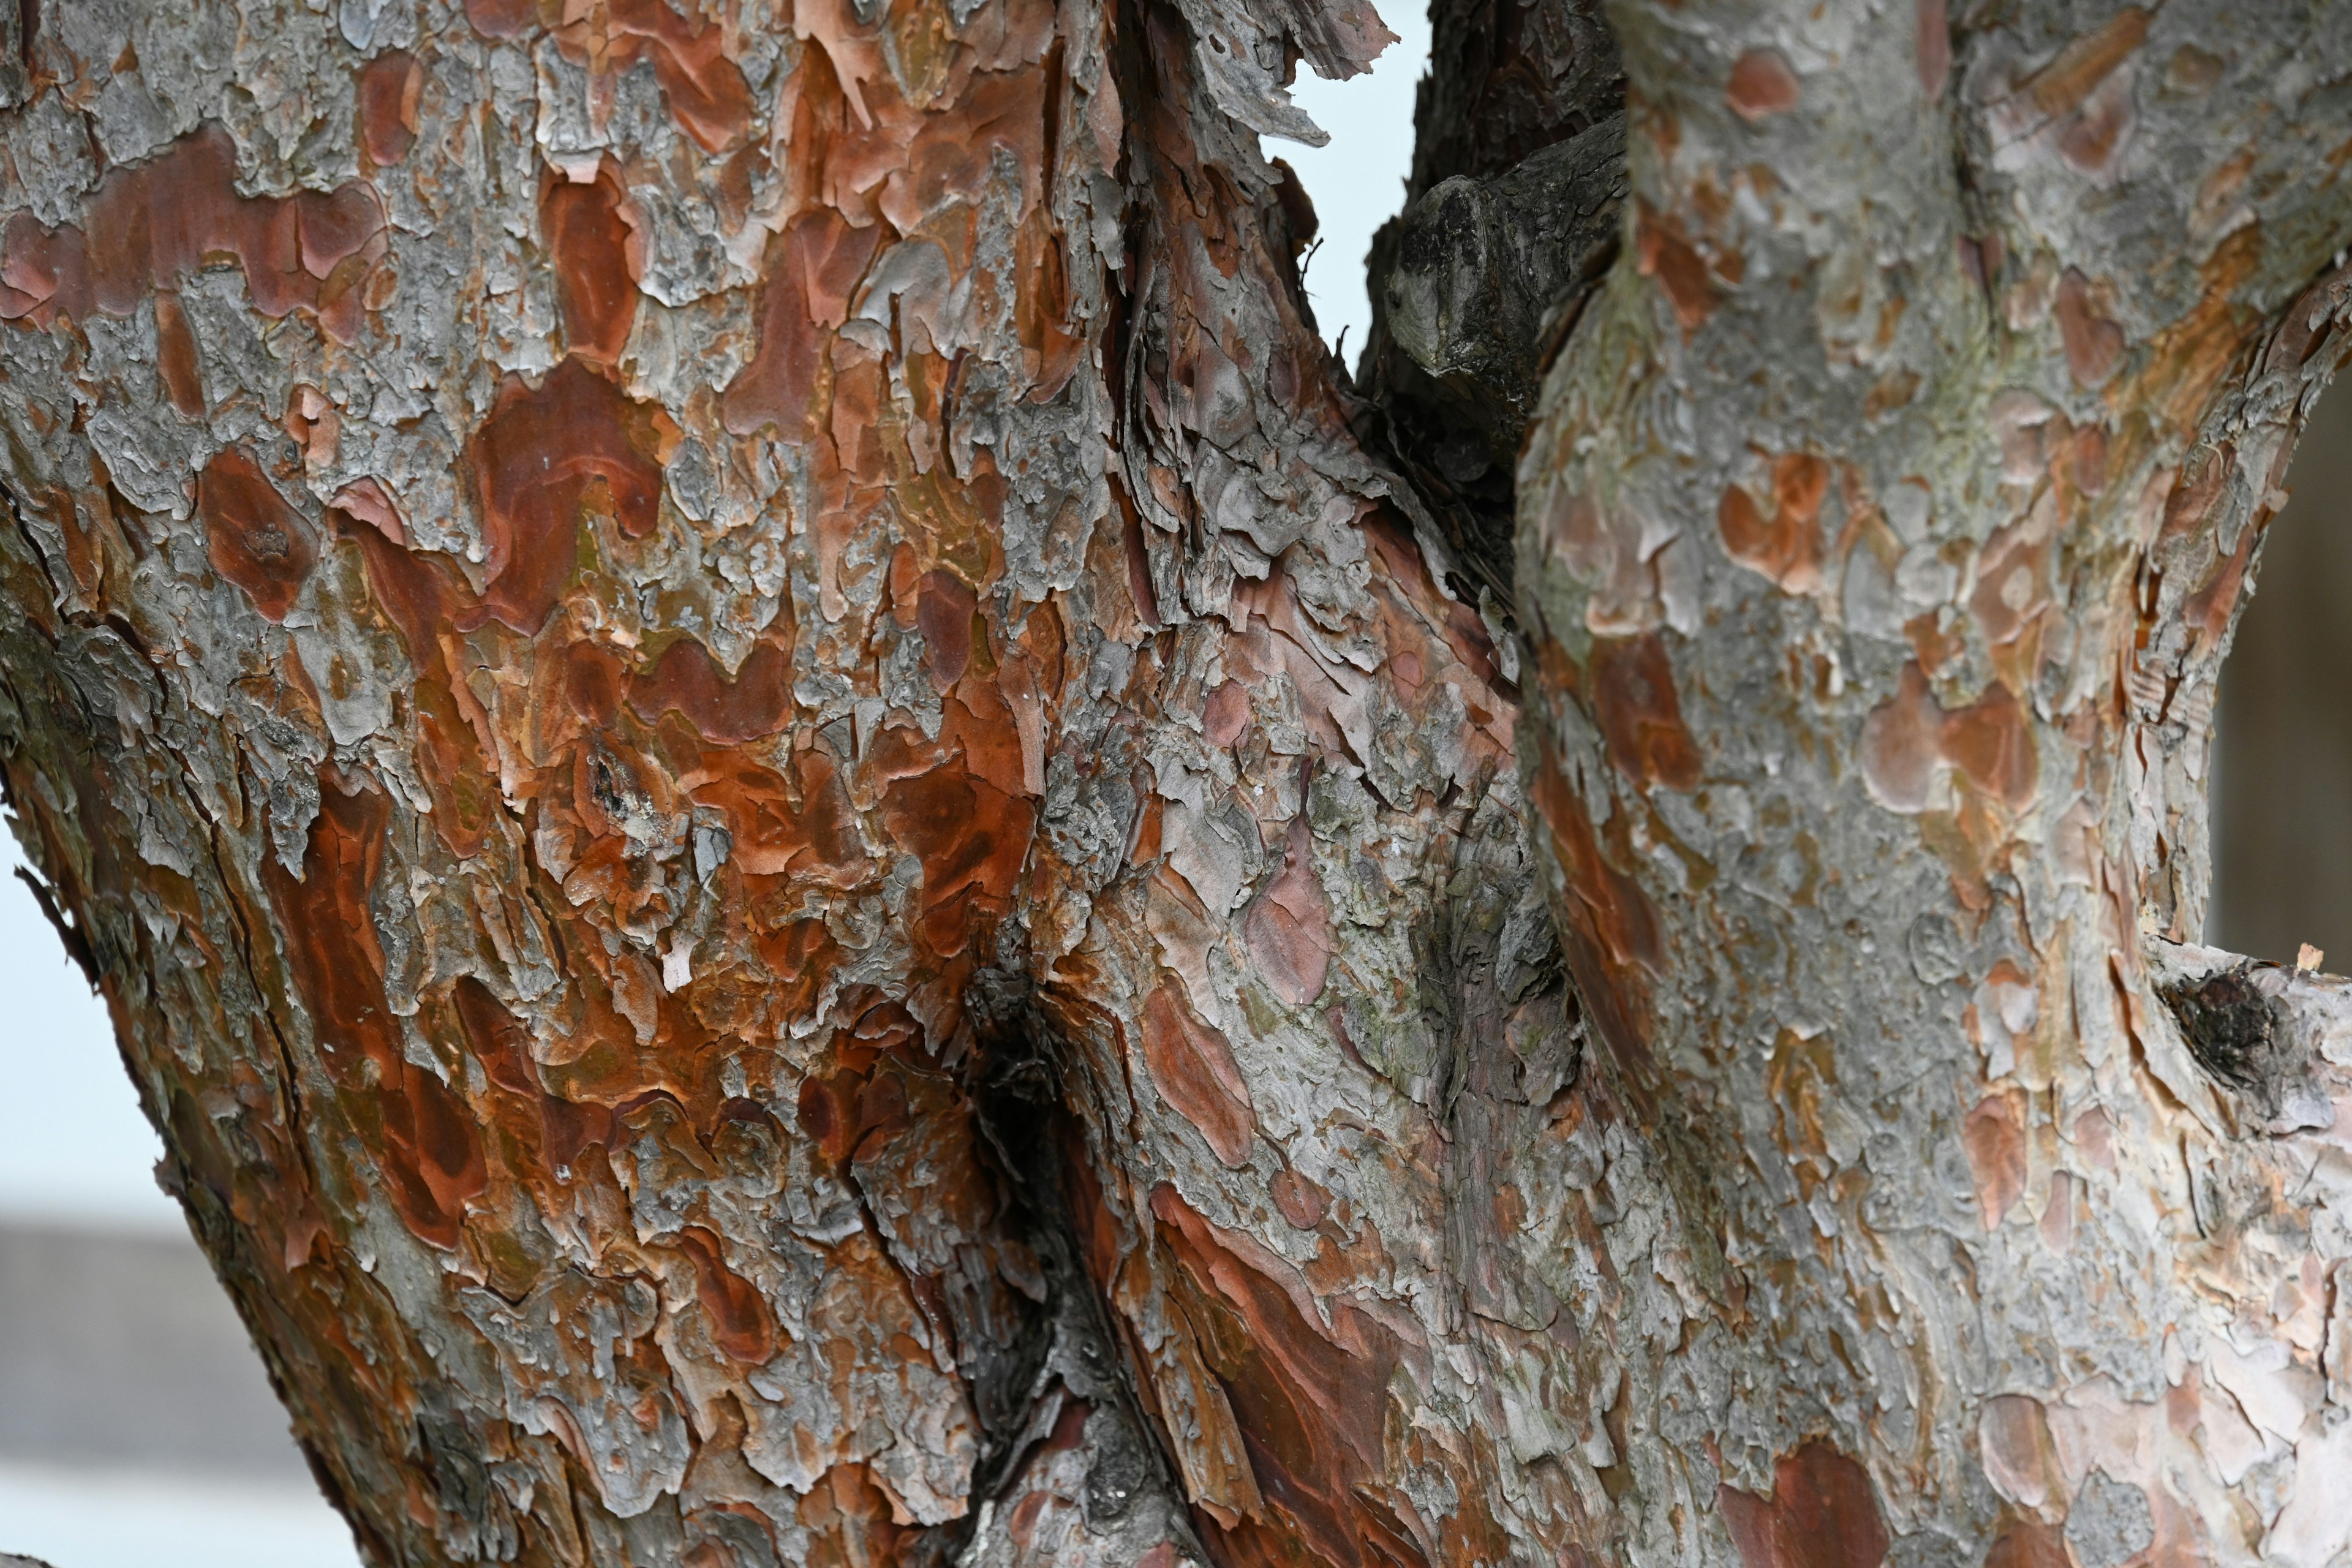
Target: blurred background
{"points": [[2283, 778], [136, 1427]]}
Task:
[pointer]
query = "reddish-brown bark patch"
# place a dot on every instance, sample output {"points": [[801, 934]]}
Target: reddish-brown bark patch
{"points": [[176, 358], [563, 1130], [1303, 1202], [1310, 1401], [1610, 932], [1639, 715], [367, 500], [419, 1131], [1761, 85], [944, 607], [2062, 86], [707, 95], [1785, 547], [1667, 255], [389, 88], [501, 18], [972, 838], [2209, 609], [1994, 1135], [1910, 735], [1194, 1071], [757, 702], [154, 222], [2094, 343], [1226, 714], [1934, 46], [1287, 926], [2200, 485], [252, 537], [2025, 1544], [592, 248], [541, 460], [1822, 1514], [811, 270], [740, 1322], [779, 831]]}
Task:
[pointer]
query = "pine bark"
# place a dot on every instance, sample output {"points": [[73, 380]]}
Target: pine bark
{"points": [[817, 851]]}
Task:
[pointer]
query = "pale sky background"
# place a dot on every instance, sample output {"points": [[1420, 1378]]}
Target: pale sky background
{"points": [[1357, 182], [87, 1156]]}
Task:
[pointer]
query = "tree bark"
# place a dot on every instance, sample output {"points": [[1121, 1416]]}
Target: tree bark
{"points": [[1880, 541], [813, 847]]}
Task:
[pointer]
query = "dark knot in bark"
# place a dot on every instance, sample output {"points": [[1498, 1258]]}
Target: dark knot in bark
{"points": [[2244, 1030]]}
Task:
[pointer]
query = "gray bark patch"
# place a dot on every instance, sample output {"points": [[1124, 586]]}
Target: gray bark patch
{"points": [[2110, 1522]]}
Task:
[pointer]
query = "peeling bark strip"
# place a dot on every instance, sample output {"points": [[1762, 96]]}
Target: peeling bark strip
{"points": [[808, 863]]}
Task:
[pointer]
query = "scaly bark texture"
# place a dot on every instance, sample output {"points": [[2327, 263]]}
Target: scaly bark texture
{"points": [[1880, 538], [810, 862], [805, 864]]}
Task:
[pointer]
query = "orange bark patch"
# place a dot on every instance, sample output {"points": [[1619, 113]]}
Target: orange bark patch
{"points": [[1194, 1068], [540, 460], [153, 224], [420, 1132], [813, 267], [1761, 85], [1289, 925], [1822, 1514], [687, 679], [390, 86], [1786, 547], [252, 537], [1638, 713], [591, 246]]}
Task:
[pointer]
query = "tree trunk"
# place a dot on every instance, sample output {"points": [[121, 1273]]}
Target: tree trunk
{"points": [[812, 847]]}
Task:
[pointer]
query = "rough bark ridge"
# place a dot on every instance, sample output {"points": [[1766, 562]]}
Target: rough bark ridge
{"points": [[1879, 543]]}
